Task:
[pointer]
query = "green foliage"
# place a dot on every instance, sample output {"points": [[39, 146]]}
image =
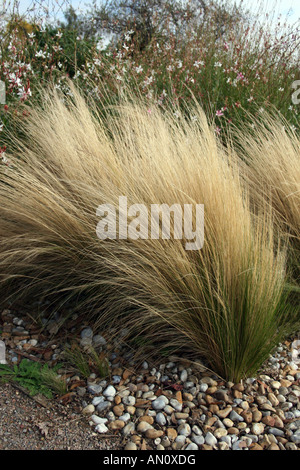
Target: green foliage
{"points": [[35, 377], [87, 360]]}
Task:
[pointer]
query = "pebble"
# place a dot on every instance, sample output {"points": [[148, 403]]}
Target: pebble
{"points": [[101, 428], [176, 405], [97, 420], [110, 391], [153, 433], [183, 376], [161, 419], [86, 333], [258, 428], [210, 439], [143, 426], [89, 409], [95, 389], [160, 402], [128, 429], [130, 446], [98, 340], [184, 429]]}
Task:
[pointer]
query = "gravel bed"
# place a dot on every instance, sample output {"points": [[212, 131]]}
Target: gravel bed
{"points": [[170, 405]]}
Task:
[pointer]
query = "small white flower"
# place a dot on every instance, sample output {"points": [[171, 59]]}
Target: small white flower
{"points": [[40, 53], [139, 69], [148, 80]]}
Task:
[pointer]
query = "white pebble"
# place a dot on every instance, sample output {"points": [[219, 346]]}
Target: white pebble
{"points": [[110, 391], [101, 428]]}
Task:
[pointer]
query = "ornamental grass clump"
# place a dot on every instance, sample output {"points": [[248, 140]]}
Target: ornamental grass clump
{"points": [[224, 303], [269, 153]]}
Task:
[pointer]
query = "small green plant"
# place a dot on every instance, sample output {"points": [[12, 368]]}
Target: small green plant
{"points": [[87, 361], [35, 377]]}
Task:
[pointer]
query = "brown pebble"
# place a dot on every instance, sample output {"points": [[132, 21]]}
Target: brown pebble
{"points": [[237, 394], [285, 383], [211, 421], [148, 419], [179, 396], [136, 438], [206, 447], [116, 425], [255, 446], [273, 446], [153, 433], [126, 374], [233, 430], [256, 416], [225, 412], [239, 387], [179, 415], [214, 408], [209, 399], [268, 420], [278, 423], [151, 379], [172, 434], [212, 390], [118, 410], [131, 409], [140, 403], [118, 400], [247, 415], [187, 396]]}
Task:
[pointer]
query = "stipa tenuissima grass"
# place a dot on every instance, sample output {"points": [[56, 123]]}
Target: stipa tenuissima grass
{"points": [[224, 302]]}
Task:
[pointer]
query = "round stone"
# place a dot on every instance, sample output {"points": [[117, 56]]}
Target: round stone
{"points": [[116, 425], [88, 410], [97, 420], [128, 429], [257, 428], [153, 433], [183, 375], [210, 439], [130, 446], [143, 426], [101, 428], [161, 419], [110, 391], [160, 402], [86, 333], [184, 429], [192, 446]]}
